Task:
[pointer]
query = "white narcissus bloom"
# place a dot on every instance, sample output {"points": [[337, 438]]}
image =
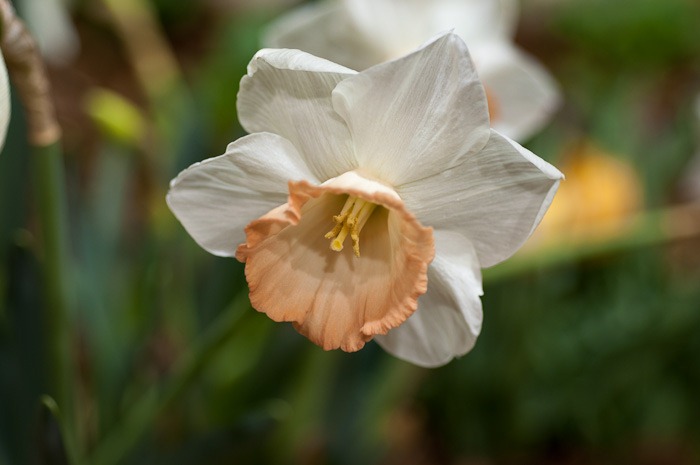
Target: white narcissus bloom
{"points": [[4, 101], [362, 33], [371, 199]]}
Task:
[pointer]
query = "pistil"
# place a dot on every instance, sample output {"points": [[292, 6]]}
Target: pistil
{"points": [[351, 219]]}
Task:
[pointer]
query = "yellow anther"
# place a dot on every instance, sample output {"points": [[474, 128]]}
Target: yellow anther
{"points": [[340, 218], [334, 232], [356, 248], [351, 220]]}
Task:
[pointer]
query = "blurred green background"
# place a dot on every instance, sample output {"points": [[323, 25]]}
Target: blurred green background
{"points": [[590, 351]]}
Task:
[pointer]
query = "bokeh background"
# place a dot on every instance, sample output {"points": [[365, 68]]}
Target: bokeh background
{"points": [[590, 350]]}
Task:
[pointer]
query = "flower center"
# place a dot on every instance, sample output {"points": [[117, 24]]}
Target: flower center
{"points": [[351, 219]]}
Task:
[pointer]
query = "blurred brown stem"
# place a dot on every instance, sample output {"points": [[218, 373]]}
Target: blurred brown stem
{"points": [[29, 77]]}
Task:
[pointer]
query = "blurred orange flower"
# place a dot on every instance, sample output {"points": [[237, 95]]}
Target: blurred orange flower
{"points": [[598, 200]]}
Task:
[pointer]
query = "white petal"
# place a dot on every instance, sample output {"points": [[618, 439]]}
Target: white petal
{"points": [[50, 23], [495, 198], [503, 19], [476, 21], [449, 315], [524, 92], [362, 33], [4, 101], [215, 199], [395, 27], [398, 26], [415, 116], [288, 92], [324, 29]]}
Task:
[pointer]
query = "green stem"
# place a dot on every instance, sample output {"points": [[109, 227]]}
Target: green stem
{"points": [[51, 201], [141, 415], [26, 69], [158, 73]]}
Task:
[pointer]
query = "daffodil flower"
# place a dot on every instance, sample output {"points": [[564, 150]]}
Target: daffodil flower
{"points": [[4, 101], [364, 204], [361, 33]]}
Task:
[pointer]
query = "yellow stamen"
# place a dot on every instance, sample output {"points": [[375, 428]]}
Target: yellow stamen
{"points": [[344, 212], [365, 213], [361, 220], [351, 220], [337, 243], [334, 232]]}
